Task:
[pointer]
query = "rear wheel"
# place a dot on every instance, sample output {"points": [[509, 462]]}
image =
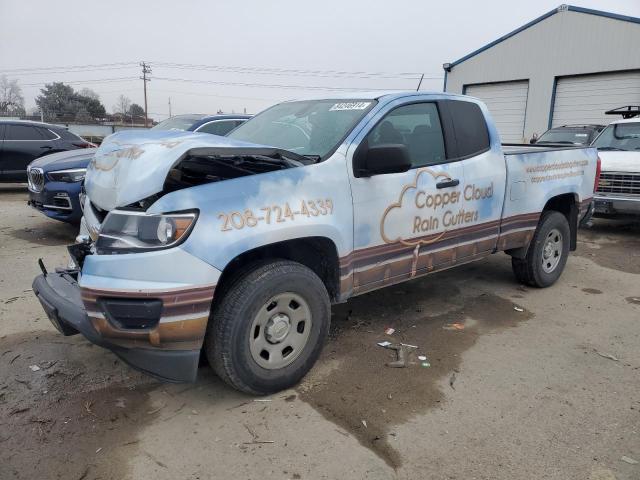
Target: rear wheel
{"points": [[269, 328], [547, 254]]}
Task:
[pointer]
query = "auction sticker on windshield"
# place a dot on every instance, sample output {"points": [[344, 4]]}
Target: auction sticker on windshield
{"points": [[350, 106]]}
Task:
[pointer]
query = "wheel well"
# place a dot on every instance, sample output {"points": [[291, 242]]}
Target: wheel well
{"points": [[567, 204], [317, 253]]}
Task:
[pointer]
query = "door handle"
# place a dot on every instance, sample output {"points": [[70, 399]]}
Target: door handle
{"points": [[448, 183], [47, 147]]}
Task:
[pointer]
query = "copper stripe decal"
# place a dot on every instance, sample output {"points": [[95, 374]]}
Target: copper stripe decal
{"points": [[182, 325]]}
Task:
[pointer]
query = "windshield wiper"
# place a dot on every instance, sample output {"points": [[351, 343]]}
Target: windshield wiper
{"points": [[612, 148]]}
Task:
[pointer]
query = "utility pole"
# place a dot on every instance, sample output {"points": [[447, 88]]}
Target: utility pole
{"points": [[169, 107], [145, 69]]}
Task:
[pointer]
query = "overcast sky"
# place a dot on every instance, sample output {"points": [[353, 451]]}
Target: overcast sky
{"points": [[395, 40]]}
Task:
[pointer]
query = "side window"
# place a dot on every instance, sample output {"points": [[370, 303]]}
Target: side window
{"points": [[418, 127], [218, 128], [22, 132], [472, 136], [46, 133]]}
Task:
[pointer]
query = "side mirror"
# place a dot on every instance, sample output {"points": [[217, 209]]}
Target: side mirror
{"points": [[381, 159], [533, 140]]}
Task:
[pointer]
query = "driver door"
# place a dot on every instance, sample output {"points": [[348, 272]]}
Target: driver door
{"points": [[401, 220]]}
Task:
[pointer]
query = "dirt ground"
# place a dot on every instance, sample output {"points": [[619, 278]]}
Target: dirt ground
{"points": [[518, 383]]}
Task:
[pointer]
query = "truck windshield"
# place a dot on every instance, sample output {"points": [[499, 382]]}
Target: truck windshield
{"points": [[565, 135], [619, 136], [312, 128]]}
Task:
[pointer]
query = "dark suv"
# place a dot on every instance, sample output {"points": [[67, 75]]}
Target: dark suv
{"points": [[21, 142], [570, 135]]}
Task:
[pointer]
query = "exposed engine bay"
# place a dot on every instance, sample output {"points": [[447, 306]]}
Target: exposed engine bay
{"points": [[196, 170]]}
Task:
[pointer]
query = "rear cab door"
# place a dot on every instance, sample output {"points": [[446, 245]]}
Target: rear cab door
{"points": [[445, 209]]}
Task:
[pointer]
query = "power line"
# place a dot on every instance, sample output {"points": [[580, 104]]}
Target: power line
{"points": [[270, 85], [58, 72], [224, 68], [100, 80], [298, 72], [66, 67]]}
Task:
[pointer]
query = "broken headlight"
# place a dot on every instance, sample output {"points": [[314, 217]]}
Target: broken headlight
{"points": [[132, 232]]}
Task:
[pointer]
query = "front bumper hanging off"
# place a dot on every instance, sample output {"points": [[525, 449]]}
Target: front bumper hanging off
{"points": [[61, 299]]}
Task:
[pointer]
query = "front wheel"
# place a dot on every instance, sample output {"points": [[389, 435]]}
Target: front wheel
{"points": [[547, 254], [269, 328]]}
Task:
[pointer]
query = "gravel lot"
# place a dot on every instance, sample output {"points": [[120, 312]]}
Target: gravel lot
{"points": [[547, 391]]}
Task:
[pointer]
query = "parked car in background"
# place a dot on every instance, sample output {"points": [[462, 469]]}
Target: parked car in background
{"points": [[21, 142], [618, 191], [214, 124], [55, 181], [570, 134]]}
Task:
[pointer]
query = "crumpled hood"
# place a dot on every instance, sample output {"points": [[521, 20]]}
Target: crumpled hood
{"points": [[614, 161], [132, 165]]}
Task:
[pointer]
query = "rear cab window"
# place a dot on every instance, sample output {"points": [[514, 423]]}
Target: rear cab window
{"points": [[465, 129]]}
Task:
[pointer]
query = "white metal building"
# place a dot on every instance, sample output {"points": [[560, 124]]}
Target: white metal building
{"points": [[566, 67]]}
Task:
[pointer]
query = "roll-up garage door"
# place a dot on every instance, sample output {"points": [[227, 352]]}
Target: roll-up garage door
{"points": [[507, 102], [583, 99]]}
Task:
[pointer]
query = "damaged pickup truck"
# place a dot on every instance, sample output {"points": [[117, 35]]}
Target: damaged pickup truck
{"points": [[237, 246]]}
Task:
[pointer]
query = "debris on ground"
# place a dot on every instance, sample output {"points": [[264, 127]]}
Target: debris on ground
{"points": [[425, 364], [34, 368], [454, 326], [629, 460], [607, 355], [402, 353], [452, 380], [518, 309], [364, 422], [389, 331], [422, 358]]}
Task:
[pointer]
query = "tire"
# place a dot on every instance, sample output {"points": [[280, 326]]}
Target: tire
{"points": [[260, 348], [543, 263]]}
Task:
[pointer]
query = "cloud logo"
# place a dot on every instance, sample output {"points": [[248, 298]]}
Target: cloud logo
{"points": [[398, 205]]}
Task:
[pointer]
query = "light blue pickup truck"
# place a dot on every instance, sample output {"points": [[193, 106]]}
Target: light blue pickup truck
{"points": [[239, 245]]}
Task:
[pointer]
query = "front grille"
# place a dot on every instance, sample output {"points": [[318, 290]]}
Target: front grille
{"points": [[35, 178], [619, 183]]}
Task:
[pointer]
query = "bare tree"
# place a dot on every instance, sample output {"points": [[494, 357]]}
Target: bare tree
{"points": [[123, 105], [11, 99]]}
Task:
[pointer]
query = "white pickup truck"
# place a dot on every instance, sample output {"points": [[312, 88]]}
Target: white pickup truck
{"points": [[618, 191], [238, 245]]}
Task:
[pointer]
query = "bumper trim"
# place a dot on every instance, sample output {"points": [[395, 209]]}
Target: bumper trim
{"points": [[59, 294], [613, 205]]}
